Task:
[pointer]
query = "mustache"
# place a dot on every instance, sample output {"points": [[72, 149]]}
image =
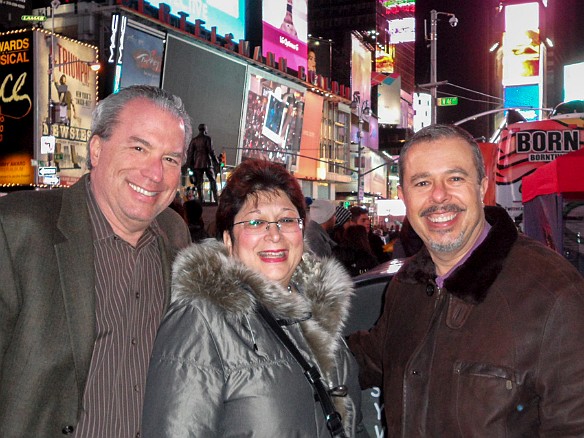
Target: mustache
{"points": [[448, 208]]}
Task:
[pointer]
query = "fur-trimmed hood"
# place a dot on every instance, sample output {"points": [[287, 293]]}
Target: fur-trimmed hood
{"points": [[206, 271], [470, 281]]}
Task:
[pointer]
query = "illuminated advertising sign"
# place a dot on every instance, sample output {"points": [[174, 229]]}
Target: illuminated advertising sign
{"points": [[319, 57], [273, 123], [227, 15], [573, 89], [398, 6], [360, 70], [422, 110], [385, 60], [142, 58], [523, 95], [389, 101], [521, 44], [402, 30], [16, 108], [285, 31], [73, 93]]}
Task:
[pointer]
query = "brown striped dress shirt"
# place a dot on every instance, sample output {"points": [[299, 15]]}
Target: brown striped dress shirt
{"points": [[129, 291]]}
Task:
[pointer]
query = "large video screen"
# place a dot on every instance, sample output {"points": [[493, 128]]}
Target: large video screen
{"points": [[227, 15], [521, 45], [285, 31], [273, 121]]}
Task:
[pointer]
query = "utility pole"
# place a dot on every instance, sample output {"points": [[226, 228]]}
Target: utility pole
{"points": [[433, 38], [433, 62]]}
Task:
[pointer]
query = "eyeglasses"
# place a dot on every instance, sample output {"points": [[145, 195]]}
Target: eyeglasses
{"points": [[260, 226]]}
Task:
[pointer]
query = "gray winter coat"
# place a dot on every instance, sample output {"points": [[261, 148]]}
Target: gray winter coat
{"points": [[218, 370]]}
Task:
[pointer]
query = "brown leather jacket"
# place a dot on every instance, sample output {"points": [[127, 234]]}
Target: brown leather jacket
{"points": [[497, 352]]}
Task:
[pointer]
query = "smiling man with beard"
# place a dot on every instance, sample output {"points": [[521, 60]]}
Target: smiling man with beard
{"points": [[482, 332]]}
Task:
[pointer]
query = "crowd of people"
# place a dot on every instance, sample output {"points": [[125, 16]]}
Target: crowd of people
{"points": [[119, 320]]}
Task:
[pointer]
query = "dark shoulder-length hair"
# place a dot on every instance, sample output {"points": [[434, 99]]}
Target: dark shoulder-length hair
{"points": [[250, 179]]}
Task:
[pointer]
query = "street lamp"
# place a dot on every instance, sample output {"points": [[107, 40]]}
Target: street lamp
{"points": [[363, 109], [433, 85]]}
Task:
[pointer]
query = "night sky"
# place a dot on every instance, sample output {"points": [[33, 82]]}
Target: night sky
{"points": [[464, 58]]}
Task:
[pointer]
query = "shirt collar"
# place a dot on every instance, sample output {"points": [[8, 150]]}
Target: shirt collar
{"points": [[441, 278], [102, 229]]}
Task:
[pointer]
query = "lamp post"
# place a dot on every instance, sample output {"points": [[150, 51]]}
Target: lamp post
{"points": [[433, 85], [362, 109]]}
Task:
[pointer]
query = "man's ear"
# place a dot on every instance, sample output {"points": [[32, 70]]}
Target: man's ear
{"points": [[484, 186], [400, 193], [95, 145]]}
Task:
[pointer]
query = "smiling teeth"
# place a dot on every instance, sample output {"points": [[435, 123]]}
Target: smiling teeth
{"points": [[438, 219], [142, 191], [274, 254]]}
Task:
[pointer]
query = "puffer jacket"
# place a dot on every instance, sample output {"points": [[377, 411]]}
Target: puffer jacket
{"points": [[217, 369], [497, 352]]}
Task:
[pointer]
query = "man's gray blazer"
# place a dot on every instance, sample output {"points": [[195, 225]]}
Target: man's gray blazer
{"points": [[47, 306]]}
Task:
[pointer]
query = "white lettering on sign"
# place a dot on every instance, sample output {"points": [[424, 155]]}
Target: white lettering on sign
{"points": [[286, 42], [112, 47]]}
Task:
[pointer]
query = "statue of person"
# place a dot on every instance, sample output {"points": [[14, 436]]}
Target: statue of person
{"points": [[201, 160]]}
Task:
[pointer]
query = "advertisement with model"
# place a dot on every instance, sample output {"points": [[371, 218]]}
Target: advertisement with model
{"points": [[66, 93], [285, 31]]}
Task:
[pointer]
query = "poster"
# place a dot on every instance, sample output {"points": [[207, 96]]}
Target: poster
{"points": [[16, 108], [142, 58], [72, 91]]}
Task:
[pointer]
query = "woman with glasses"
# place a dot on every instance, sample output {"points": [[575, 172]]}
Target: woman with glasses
{"points": [[218, 369]]}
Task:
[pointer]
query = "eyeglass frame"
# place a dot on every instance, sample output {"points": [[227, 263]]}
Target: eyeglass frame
{"points": [[298, 220]]}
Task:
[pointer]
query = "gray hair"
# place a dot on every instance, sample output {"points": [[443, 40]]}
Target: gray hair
{"points": [[105, 118], [438, 132]]}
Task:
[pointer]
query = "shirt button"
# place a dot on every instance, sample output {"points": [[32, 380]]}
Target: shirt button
{"points": [[136, 388], [137, 295], [429, 290], [68, 430], [415, 373], [134, 342]]}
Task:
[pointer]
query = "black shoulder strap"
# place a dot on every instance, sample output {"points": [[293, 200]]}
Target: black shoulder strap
{"points": [[332, 417]]}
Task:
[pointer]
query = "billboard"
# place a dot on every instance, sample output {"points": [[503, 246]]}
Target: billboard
{"points": [[273, 121], [72, 91], [285, 31], [523, 95], [360, 69], [389, 101], [521, 44], [16, 108], [402, 30], [227, 15], [141, 58], [573, 75], [526, 146], [319, 58]]}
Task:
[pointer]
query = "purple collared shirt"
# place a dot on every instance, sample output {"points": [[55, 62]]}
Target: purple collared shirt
{"points": [[441, 278]]}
